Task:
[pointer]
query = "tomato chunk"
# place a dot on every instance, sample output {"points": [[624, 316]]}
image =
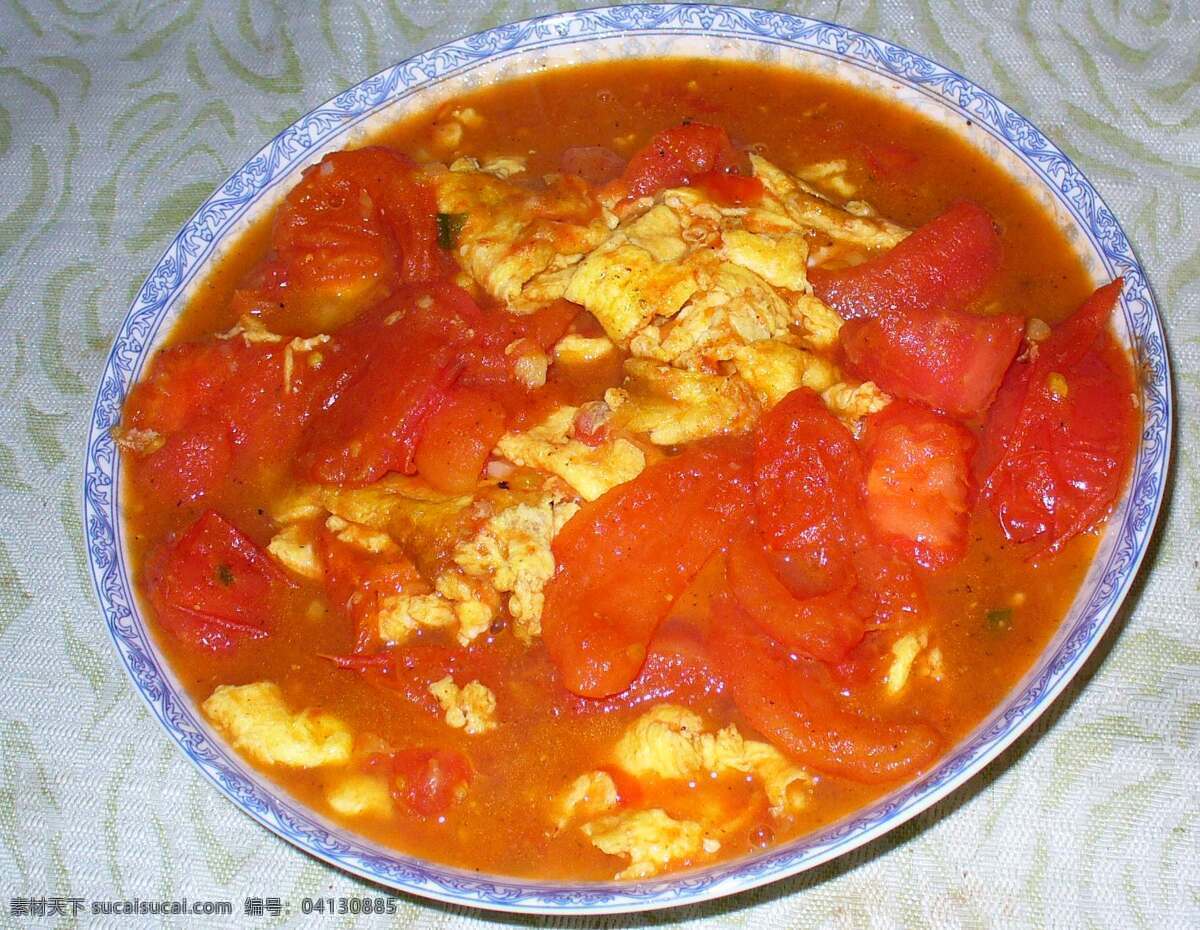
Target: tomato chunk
{"points": [[356, 582], [458, 439], [1061, 438], [824, 626], [358, 225], [735, 190], [919, 484], [942, 266], [430, 781], [678, 669], [808, 478], [794, 703], [950, 360], [616, 579], [212, 587], [401, 361], [216, 406], [677, 156]]}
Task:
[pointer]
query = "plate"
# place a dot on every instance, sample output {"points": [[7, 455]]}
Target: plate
{"points": [[591, 35]]}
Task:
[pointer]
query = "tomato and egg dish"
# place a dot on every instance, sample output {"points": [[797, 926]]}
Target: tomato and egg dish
{"points": [[609, 495]]}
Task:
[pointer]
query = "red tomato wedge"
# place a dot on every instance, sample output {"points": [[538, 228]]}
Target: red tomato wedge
{"points": [[458, 439], [1061, 438], [824, 626], [678, 669], [624, 559], [735, 190], [950, 360], [504, 337], [942, 266], [808, 478], [401, 361], [358, 225], [213, 588], [795, 704], [356, 581], [430, 781], [919, 484], [677, 156], [220, 405]]}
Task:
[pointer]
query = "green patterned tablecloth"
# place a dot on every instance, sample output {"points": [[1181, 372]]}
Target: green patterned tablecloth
{"points": [[118, 116]]}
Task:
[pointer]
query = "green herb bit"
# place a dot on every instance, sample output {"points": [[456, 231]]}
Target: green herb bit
{"points": [[1000, 618], [225, 575], [449, 225]]}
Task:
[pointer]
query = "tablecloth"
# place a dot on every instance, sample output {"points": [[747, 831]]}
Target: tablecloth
{"points": [[118, 116]]}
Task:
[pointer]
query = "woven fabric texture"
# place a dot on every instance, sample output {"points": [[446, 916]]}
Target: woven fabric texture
{"points": [[117, 117]]}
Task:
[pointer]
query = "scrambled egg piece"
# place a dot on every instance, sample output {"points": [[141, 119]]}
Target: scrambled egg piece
{"points": [[774, 369], [853, 402], [732, 306], [808, 208], [590, 470], [638, 274], [574, 349], [511, 235], [513, 551], [355, 534], [650, 838], [911, 652], [474, 607], [257, 721], [293, 547], [831, 175], [471, 708], [400, 615], [781, 261], [499, 166], [252, 330], [360, 795], [818, 324], [687, 281], [589, 794], [673, 406], [670, 742]]}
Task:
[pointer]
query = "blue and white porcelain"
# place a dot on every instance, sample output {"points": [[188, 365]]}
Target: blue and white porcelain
{"points": [[628, 31]]}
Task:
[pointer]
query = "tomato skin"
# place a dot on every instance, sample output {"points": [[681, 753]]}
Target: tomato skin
{"points": [[949, 360], [1051, 466], [794, 703], [430, 781], [678, 669], [825, 626], [213, 587], [919, 487], [358, 225], [458, 439], [490, 365], [942, 266], [735, 190], [808, 478], [189, 464], [400, 362], [596, 164], [217, 405], [355, 581], [616, 580], [676, 156]]}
